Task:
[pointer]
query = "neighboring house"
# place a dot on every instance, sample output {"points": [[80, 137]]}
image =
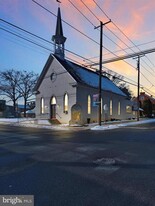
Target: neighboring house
{"points": [[2, 108], [147, 104], [20, 108], [7, 111], [67, 92], [143, 97]]}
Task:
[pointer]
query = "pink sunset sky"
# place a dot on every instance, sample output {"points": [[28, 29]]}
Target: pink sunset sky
{"points": [[136, 18]]}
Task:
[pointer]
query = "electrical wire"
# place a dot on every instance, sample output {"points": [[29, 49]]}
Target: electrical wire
{"points": [[116, 36], [76, 30], [104, 34], [31, 41], [34, 35], [91, 23], [121, 31]]}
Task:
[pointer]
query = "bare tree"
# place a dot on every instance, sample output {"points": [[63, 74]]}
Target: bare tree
{"points": [[26, 86], [118, 79], [126, 90], [16, 84], [113, 76], [9, 85]]}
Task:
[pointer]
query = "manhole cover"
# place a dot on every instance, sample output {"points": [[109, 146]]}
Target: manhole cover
{"points": [[105, 161]]}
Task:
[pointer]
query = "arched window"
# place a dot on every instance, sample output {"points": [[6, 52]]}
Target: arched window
{"points": [[53, 101], [89, 105], [66, 103], [42, 107], [119, 108], [111, 107], [101, 106]]}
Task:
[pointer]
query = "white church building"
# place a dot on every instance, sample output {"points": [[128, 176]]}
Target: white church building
{"points": [[67, 92]]}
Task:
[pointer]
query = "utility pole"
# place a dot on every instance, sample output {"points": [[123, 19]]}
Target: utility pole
{"points": [[138, 68], [138, 84], [100, 68]]}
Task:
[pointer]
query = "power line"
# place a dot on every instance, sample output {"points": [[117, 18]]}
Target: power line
{"points": [[121, 31], [142, 44], [109, 30], [90, 10], [31, 41], [93, 24], [67, 57], [76, 30], [34, 35], [104, 34], [67, 23]]}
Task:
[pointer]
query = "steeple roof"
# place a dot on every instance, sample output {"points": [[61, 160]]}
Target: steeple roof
{"points": [[59, 30], [58, 38]]}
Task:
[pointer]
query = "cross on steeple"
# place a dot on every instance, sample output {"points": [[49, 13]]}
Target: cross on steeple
{"points": [[58, 38]]}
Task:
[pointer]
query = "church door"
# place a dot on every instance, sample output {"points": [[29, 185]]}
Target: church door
{"points": [[53, 108], [53, 111]]}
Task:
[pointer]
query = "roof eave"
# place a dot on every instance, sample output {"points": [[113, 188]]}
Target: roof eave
{"points": [[43, 73]]}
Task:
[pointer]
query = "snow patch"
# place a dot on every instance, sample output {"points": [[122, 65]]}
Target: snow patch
{"points": [[116, 126]]}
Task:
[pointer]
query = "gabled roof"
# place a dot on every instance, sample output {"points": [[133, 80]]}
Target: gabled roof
{"points": [[88, 77], [81, 75]]}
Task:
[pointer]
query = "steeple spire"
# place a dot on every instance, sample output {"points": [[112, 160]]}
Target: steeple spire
{"points": [[58, 38]]}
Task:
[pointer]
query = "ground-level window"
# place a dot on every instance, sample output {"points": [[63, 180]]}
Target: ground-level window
{"points": [[119, 108], [128, 109], [66, 103], [89, 105], [110, 107], [42, 107]]}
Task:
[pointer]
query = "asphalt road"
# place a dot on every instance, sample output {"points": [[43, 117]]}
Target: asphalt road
{"points": [[79, 167]]}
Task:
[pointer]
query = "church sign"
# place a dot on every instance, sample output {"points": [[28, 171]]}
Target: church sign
{"points": [[95, 100]]}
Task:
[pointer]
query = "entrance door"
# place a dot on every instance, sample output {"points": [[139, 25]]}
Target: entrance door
{"points": [[53, 108], [53, 111]]}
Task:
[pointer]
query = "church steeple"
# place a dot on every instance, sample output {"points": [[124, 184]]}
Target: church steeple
{"points": [[58, 38]]}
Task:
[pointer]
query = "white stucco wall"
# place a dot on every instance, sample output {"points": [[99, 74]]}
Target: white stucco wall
{"points": [[82, 100], [78, 94], [64, 83]]}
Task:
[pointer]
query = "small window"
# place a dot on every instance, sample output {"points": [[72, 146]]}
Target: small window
{"points": [[89, 105], [42, 108], [119, 108], [66, 103], [110, 107]]}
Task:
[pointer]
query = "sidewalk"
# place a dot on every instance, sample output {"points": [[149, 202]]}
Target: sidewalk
{"points": [[109, 125], [34, 123]]}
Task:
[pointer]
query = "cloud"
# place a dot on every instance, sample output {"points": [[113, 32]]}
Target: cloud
{"points": [[123, 68]]}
